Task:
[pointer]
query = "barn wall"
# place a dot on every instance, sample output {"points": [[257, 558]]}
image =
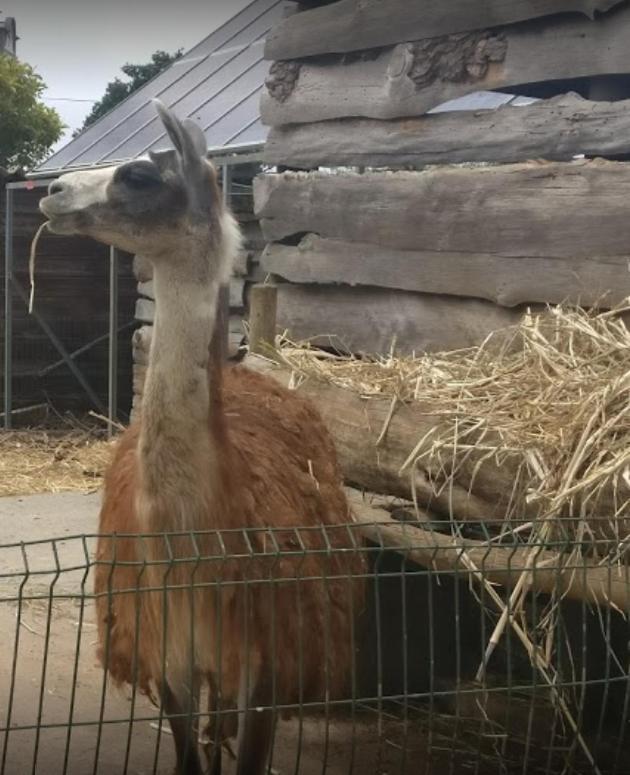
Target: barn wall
{"points": [[431, 229], [72, 295]]}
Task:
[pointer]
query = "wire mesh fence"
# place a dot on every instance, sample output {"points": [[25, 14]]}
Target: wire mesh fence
{"points": [[471, 649]]}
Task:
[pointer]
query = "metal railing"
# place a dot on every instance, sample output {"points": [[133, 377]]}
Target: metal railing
{"points": [[445, 669]]}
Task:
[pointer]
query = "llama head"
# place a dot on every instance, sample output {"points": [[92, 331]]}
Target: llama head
{"points": [[166, 207]]}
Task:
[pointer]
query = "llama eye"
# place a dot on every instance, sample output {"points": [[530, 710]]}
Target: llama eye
{"points": [[139, 175]]}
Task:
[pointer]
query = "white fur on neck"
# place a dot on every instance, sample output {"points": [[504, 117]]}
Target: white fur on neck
{"points": [[185, 316], [175, 445]]}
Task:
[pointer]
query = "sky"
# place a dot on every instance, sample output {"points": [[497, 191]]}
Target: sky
{"points": [[78, 46]]}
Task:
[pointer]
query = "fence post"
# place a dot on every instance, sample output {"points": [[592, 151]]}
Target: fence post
{"points": [[223, 321], [112, 387], [263, 305], [8, 308]]}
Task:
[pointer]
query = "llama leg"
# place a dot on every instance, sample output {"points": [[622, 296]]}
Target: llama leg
{"points": [[222, 726], [256, 730], [184, 730], [213, 732]]}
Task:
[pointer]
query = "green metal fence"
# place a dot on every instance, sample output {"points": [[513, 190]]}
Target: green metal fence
{"points": [[462, 660]]}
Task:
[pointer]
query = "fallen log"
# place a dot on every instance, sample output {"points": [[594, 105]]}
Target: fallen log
{"points": [[548, 571], [374, 464]]}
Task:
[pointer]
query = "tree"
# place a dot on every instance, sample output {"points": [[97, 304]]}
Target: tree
{"points": [[28, 128], [117, 90]]}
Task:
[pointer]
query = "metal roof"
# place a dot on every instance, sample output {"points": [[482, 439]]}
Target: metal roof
{"points": [[217, 83]]}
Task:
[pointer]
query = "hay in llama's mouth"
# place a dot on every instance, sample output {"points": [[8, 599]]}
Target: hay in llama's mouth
{"points": [[59, 219]]}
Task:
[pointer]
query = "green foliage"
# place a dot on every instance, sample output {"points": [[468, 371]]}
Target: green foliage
{"points": [[117, 90], [28, 128]]}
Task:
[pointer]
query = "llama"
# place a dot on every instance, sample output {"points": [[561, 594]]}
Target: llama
{"points": [[216, 448]]}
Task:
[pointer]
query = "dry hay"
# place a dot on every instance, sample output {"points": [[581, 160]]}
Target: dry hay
{"points": [[550, 398], [34, 461]]}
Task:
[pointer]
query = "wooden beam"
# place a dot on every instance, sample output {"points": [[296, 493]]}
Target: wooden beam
{"points": [[372, 320], [556, 129], [145, 307], [554, 572], [373, 440], [537, 210], [355, 425], [263, 301], [411, 78], [506, 281], [350, 25]]}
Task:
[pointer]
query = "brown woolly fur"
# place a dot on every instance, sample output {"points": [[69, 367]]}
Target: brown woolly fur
{"points": [[277, 468], [264, 615]]}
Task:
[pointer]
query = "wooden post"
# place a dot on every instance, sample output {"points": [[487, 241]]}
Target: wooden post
{"points": [[263, 302], [222, 323]]}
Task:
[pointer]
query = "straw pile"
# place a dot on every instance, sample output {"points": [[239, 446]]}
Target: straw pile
{"points": [[549, 401], [549, 398], [36, 461]]}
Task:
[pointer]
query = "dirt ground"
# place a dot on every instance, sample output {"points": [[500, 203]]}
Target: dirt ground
{"points": [[49, 678], [55, 683], [44, 690]]}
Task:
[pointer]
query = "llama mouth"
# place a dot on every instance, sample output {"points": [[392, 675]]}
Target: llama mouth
{"points": [[49, 205], [60, 221]]}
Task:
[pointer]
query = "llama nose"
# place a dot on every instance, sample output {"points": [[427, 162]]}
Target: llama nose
{"points": [[56, 187]]}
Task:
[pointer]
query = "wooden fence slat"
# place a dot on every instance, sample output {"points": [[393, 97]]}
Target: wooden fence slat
{"points": [[503, 280], [411, 78], [557, 129], [351, 26]]}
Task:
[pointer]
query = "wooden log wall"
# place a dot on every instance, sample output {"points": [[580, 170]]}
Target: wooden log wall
{"points": [[72, 295], [432, 228]]}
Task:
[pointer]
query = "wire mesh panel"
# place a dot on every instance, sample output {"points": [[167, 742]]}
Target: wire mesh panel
{"points": [[474, 649]]}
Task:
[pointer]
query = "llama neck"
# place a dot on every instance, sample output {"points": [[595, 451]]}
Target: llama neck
{"points": [[176, 450]]}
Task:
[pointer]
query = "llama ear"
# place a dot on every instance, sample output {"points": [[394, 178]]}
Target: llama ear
{"points": [[197, 136], [182, 140]]}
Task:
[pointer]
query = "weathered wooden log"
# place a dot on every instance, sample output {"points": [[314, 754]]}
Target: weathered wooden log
{"points": [[373, 320], [142, 269], [411, 78], [139, 377], [574, 210], [350, 25], [145, 307], [141, 344], [241, 263], [356, 424], [551, 572], [145, 310], [375, 507], [556, 129], [476, 560], [141, 340], [263, 302], [507, 281], [252, 236]]}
